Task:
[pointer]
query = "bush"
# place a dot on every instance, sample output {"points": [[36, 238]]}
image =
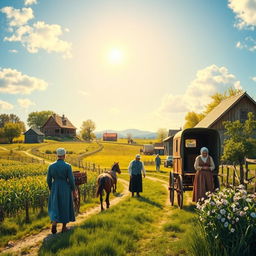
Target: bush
{"points": [[48, 151], [228, 222]]}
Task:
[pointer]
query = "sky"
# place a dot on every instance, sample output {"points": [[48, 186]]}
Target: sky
{"points": [[124, 64]]}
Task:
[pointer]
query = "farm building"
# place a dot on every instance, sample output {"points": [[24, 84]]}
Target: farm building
{"points": [[58, 126], [231, 109], [109, 136], [159, 149], [33, 135], [168, 142]]}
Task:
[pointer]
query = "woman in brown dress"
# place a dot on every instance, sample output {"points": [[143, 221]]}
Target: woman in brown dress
{"points": [[203, 181]]}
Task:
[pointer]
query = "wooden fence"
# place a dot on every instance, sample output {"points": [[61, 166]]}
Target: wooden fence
{"points": [[230, 175]]}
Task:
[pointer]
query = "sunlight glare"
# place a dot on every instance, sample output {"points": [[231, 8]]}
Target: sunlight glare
{"points": [[115, 56]]}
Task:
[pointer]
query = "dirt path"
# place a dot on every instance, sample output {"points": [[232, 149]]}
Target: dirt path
{"points": [[5, 149], [32, 242]]}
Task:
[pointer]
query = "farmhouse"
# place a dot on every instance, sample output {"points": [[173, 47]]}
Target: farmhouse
{"points": [[109, 136], [231, 109], [169, 141], [33, 135], [58, 126]]}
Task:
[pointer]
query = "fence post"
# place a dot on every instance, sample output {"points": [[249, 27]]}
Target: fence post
{"points": [[254, 181], [234, 177], [222, 173], [246, 173], [227, 176]]}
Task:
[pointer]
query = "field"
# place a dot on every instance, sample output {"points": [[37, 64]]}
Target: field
{"points": [[136, 226]]}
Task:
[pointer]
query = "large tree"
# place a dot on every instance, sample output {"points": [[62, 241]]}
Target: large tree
{"points": [[11, 131], [162, 134], [38, 118], [87, 129], [11, 118], [240, 143], [193, 118]]}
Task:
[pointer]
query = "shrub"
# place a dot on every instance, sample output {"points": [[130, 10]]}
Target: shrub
{"points": [[48, 151], [227, 220]]}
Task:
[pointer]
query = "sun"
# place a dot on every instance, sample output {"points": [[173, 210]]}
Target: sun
{"points": [[115, 56]]}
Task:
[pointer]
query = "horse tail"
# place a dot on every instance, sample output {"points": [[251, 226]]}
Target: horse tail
{"points": [[100, 186]]}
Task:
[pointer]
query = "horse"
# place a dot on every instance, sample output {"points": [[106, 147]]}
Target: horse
{"points": [[106, 181]]}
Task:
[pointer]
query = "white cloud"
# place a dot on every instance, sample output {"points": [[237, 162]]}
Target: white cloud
{"points": [[14, 82], [254, 78], [41, 36], [30, 2], [248, 43], [208, 81], [25, 103], [5, 105], [245, 11], [17, 17], [13, 51]]}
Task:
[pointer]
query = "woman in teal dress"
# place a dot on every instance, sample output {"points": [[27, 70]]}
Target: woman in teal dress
{"points": [[61, 183]]}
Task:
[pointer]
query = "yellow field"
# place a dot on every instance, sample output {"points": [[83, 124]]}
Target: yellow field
{"points": [[77, 148]]}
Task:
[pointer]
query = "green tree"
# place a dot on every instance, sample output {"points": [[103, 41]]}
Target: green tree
{"points": [[162, 134], [192, 119], [38, 118], [87, 129], [240, 142], [11, 131]]}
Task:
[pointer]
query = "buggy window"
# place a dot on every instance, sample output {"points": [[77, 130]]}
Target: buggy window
{"points": [[190, 143]]}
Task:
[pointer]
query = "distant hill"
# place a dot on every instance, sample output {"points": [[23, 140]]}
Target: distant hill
{"points": [[136, 134]]}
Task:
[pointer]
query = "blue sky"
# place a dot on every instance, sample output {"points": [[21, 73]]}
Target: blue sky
{"points": [[124, 64]]}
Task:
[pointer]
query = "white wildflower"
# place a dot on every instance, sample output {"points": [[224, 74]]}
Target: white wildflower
{"points": [[232, 230], [222, 211], [253, 214], [223, 219], [225, 224]]}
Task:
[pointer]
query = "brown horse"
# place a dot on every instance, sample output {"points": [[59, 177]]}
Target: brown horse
{"points": [[105, 182]]}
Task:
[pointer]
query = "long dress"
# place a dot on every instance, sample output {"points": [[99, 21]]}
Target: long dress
{"points": [[135, 170], [203, 181], [60, 181]]}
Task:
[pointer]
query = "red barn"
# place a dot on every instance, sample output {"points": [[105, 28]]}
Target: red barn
{"points": [[58, 126], [109, 136]]}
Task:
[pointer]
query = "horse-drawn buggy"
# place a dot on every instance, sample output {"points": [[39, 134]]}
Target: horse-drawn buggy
{"points": [[186, 147], [80, 178]]}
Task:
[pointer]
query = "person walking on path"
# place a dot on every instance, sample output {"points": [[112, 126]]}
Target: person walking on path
{"points": [[158, 162], [61, 183], [203, 181], [136, 169]]}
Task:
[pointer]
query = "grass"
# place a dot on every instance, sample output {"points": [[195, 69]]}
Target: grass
{"points": [[137, 226]]}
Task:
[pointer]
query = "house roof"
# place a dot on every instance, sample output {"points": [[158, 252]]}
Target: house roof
{"points": [[109, 134], [38, 132], [171, 133], [61, 121], [221, 109]]}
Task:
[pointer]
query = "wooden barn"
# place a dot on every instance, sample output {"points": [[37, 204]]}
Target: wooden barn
{"points": [[231, 109], [33, 135], [58, 126], [109, 136], [168, 142], [159, 148]]}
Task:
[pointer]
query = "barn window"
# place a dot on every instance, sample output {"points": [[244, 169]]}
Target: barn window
{"points": [[243, 115], [190, 143]]}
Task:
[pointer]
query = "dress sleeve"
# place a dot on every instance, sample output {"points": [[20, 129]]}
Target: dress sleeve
{"points": [[130, 168], [196, 165], [71, 178], [143, 169], [212, 167], [49, 178]]}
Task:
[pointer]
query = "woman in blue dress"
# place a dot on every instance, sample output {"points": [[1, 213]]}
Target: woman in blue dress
{"points": [[61, 183]]}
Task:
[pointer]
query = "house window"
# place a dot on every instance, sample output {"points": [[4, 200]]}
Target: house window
{"points": [[190, 143], [243, 115]]}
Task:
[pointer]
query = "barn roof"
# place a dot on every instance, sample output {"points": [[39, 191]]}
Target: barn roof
{"points": [[109, 134], [221, 109], [38, 132], [61, 121], [171, 133]]}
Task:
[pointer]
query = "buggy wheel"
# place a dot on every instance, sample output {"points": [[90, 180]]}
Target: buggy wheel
{"points": [[171, 188], [76, 200], [179, 190]]}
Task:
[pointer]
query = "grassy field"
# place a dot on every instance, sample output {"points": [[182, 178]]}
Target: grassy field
{"points": [[137, 226]]}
